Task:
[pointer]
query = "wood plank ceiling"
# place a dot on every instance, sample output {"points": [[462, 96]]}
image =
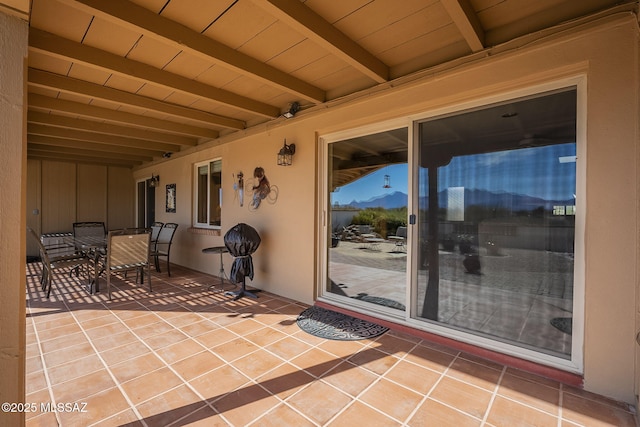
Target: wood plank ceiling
{"points": [[123, 82]]}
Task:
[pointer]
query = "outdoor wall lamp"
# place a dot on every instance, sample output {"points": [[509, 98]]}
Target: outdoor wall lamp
{"points": [[154, 181], [286, 154]]}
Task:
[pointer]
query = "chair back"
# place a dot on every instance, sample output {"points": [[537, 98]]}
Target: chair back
{"points": [[165, 237], [44, 256], [155, 230], [54, 253], [401, 232], [128, 250], [89, 229]]}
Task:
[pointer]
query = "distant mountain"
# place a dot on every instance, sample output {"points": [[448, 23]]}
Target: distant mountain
{"points": [[472, 197], [396, 199]]}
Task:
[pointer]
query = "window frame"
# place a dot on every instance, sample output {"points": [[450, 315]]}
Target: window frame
{"points": [[196, 192]]}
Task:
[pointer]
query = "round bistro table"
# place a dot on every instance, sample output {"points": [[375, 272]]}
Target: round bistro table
{"points": [[221, 274]]}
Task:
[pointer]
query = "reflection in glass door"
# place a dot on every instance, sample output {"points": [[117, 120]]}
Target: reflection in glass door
{"points": [[367, 221], [496, 222], [146, 204]]}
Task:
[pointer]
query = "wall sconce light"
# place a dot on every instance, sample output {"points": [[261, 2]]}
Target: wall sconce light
{"points": [[286, 154], [154, 181], [293, 109]]}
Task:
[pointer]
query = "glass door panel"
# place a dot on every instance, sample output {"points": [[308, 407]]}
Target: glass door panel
{"points": [[146, 204], [496, 198], [367, 221]]}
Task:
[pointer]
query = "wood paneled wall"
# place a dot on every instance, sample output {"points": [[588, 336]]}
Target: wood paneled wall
{"points": [[61, 193], [91, 204]]}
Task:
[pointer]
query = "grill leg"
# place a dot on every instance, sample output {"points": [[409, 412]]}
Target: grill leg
{"points": [[243, 292]]}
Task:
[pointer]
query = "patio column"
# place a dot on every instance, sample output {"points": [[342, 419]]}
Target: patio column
{"points": [[13, 140]]}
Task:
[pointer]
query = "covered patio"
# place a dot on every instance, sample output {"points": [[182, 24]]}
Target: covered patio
{"points": [[187, 355], [131, 112]]}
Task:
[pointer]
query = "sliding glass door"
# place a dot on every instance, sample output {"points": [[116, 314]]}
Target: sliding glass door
{"points": [[473, 235], [496, 222], [146, 204], [367, 220]]}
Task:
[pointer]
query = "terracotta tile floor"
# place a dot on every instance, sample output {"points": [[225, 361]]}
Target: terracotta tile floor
{"points": [[185, 355]]}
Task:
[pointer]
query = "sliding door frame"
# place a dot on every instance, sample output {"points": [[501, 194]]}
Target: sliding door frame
{"points": [[576, 363]]}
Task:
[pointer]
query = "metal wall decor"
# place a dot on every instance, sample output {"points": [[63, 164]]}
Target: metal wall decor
{"points": [[238, 187], [261, 188]]}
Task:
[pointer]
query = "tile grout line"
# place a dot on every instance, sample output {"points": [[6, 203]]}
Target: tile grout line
{"points": [[262, 347], [230, 363], [52, 394], [168, 366], [528, 405], [44, 365], [493, 396], [108, 369], [560, 403], [384, 376], [117, 382], [378, 379], [433, 387], [319, 378]]}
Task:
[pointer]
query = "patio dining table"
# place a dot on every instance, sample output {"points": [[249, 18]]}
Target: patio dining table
{"points": [[93, 247]]}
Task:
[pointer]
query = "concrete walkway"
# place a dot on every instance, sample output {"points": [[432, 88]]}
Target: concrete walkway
{"points": [[516, 296]]}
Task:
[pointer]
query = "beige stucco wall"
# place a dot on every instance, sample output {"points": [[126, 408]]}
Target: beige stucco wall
{"points": [[13, 51], [286, 261]]}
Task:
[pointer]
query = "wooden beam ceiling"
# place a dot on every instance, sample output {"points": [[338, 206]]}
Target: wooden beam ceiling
{"points": [[95, 147], [36, 117], [53, 45], [43, 79], [36, 129], [144, 21], [466, 19], [99, 113], [136, 79], [299, 17]]}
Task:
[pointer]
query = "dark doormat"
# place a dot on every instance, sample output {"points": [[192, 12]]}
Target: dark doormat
{"points": [[564, 324], [380, 301], [331, 325]]}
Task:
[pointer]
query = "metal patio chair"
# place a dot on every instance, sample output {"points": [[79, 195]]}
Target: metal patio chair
{"points": [[162, 246], [128, 250], [50, 264]]}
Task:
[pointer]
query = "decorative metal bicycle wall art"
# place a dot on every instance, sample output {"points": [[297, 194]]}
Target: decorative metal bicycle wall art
{"points": [[258, 186]]}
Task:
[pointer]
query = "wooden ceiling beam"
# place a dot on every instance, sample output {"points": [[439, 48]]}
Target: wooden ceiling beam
{"points": [[86, 152], [93, 146], [383, 159], [36, 129], [142, 20], [40, 155], [308, 23], [44, 79], [466, 19], [51, 44], [107, 128], [84, 110]]}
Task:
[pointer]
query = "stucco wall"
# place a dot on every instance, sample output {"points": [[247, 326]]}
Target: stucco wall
{"points": [[286, 261], [13, 51]]}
